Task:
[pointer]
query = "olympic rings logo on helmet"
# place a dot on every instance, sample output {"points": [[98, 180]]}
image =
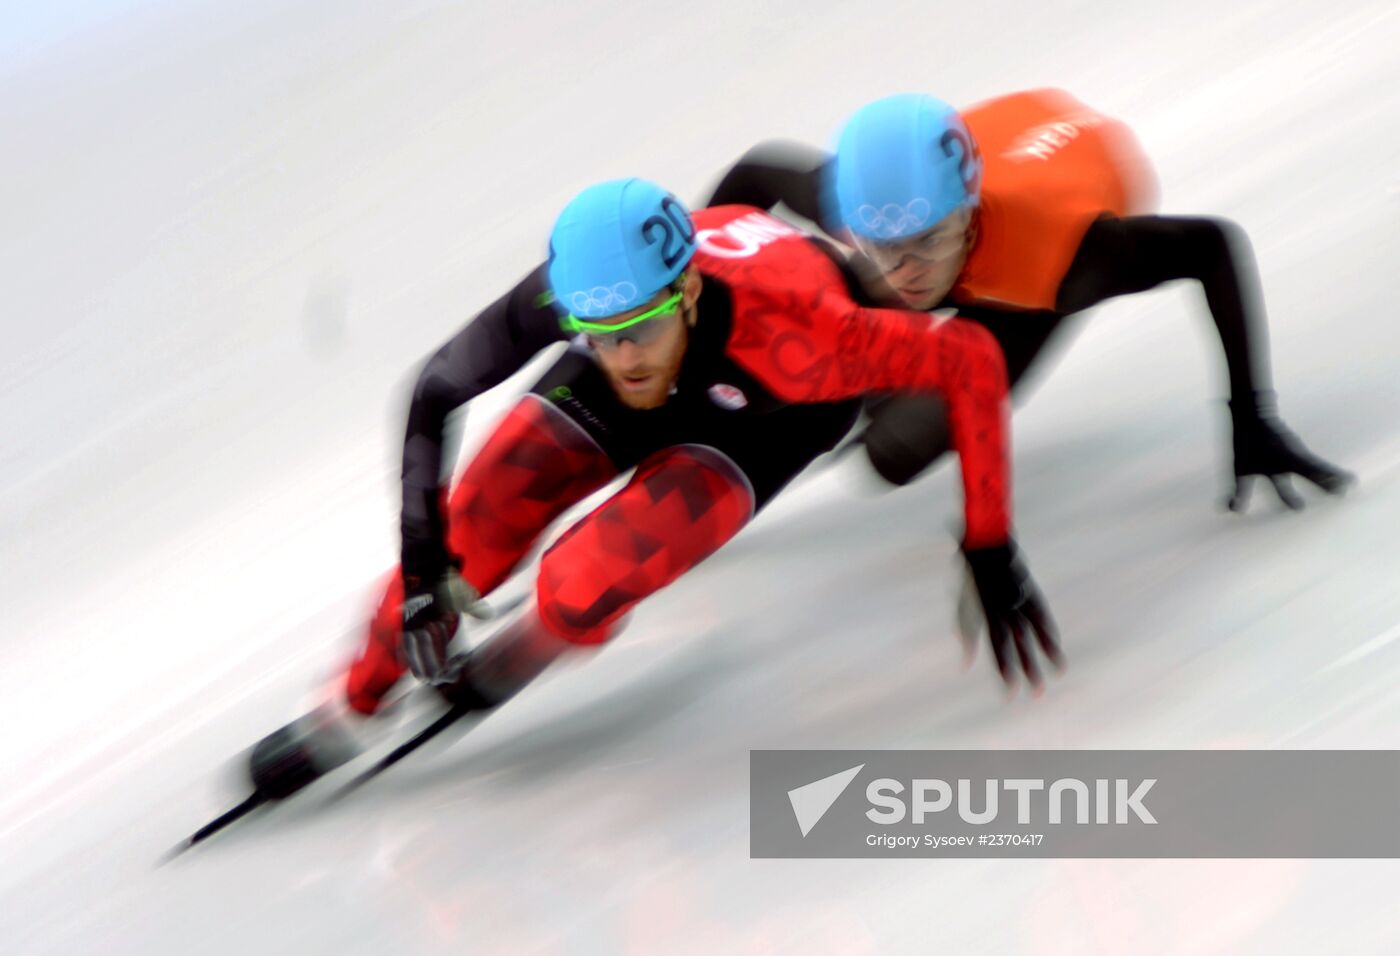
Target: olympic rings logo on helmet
{"points": [[892, 220], [602, 300]]}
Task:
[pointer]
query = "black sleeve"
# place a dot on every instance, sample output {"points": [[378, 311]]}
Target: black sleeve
{"points": [[792, 174], [1137, 253], [775, 172], [491, 348]]}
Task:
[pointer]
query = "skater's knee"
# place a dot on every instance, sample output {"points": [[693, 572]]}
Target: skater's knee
{"points": [[583, 589], [536, 465], [680, 507]]}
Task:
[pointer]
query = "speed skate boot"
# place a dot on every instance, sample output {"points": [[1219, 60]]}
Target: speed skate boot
{"points": [[459, 685], [289, 759], [503, 663]]}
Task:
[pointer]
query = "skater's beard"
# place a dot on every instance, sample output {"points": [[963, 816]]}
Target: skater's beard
{"points": [[644, 377]]}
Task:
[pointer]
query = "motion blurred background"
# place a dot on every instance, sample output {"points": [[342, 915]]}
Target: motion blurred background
{"points": [[230, 231]]}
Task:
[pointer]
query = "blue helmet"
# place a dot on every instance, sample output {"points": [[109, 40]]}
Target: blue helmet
{"points": [[616, 245], [902, 164]]}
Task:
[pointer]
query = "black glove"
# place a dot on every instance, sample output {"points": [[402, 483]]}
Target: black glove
{"points": [[431, 616], [1264, 446], [1014, 610]]}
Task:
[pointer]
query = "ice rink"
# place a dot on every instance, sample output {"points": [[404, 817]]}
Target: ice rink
{"points": [[230, 231]]}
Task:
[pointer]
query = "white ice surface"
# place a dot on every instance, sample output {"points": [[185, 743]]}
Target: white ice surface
{"points": [[228, 231]]}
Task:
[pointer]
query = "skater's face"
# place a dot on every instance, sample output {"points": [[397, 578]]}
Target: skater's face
{"points": [[643, 361], [923, 269]]}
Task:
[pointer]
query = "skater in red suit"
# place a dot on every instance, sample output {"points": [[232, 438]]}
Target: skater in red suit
{"points": [[717, 356]]}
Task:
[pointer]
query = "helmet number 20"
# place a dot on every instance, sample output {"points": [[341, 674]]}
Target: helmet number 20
{"points": [[673, 231]]}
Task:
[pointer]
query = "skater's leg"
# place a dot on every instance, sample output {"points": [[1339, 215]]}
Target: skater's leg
{"points": [[536, 465], [682, 504]]}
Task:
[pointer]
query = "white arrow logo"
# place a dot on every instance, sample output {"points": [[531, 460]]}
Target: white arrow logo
{"points": [[810, 802]]}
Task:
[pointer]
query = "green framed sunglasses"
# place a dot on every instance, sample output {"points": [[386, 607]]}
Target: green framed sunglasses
{"points": [[610, 334]]}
